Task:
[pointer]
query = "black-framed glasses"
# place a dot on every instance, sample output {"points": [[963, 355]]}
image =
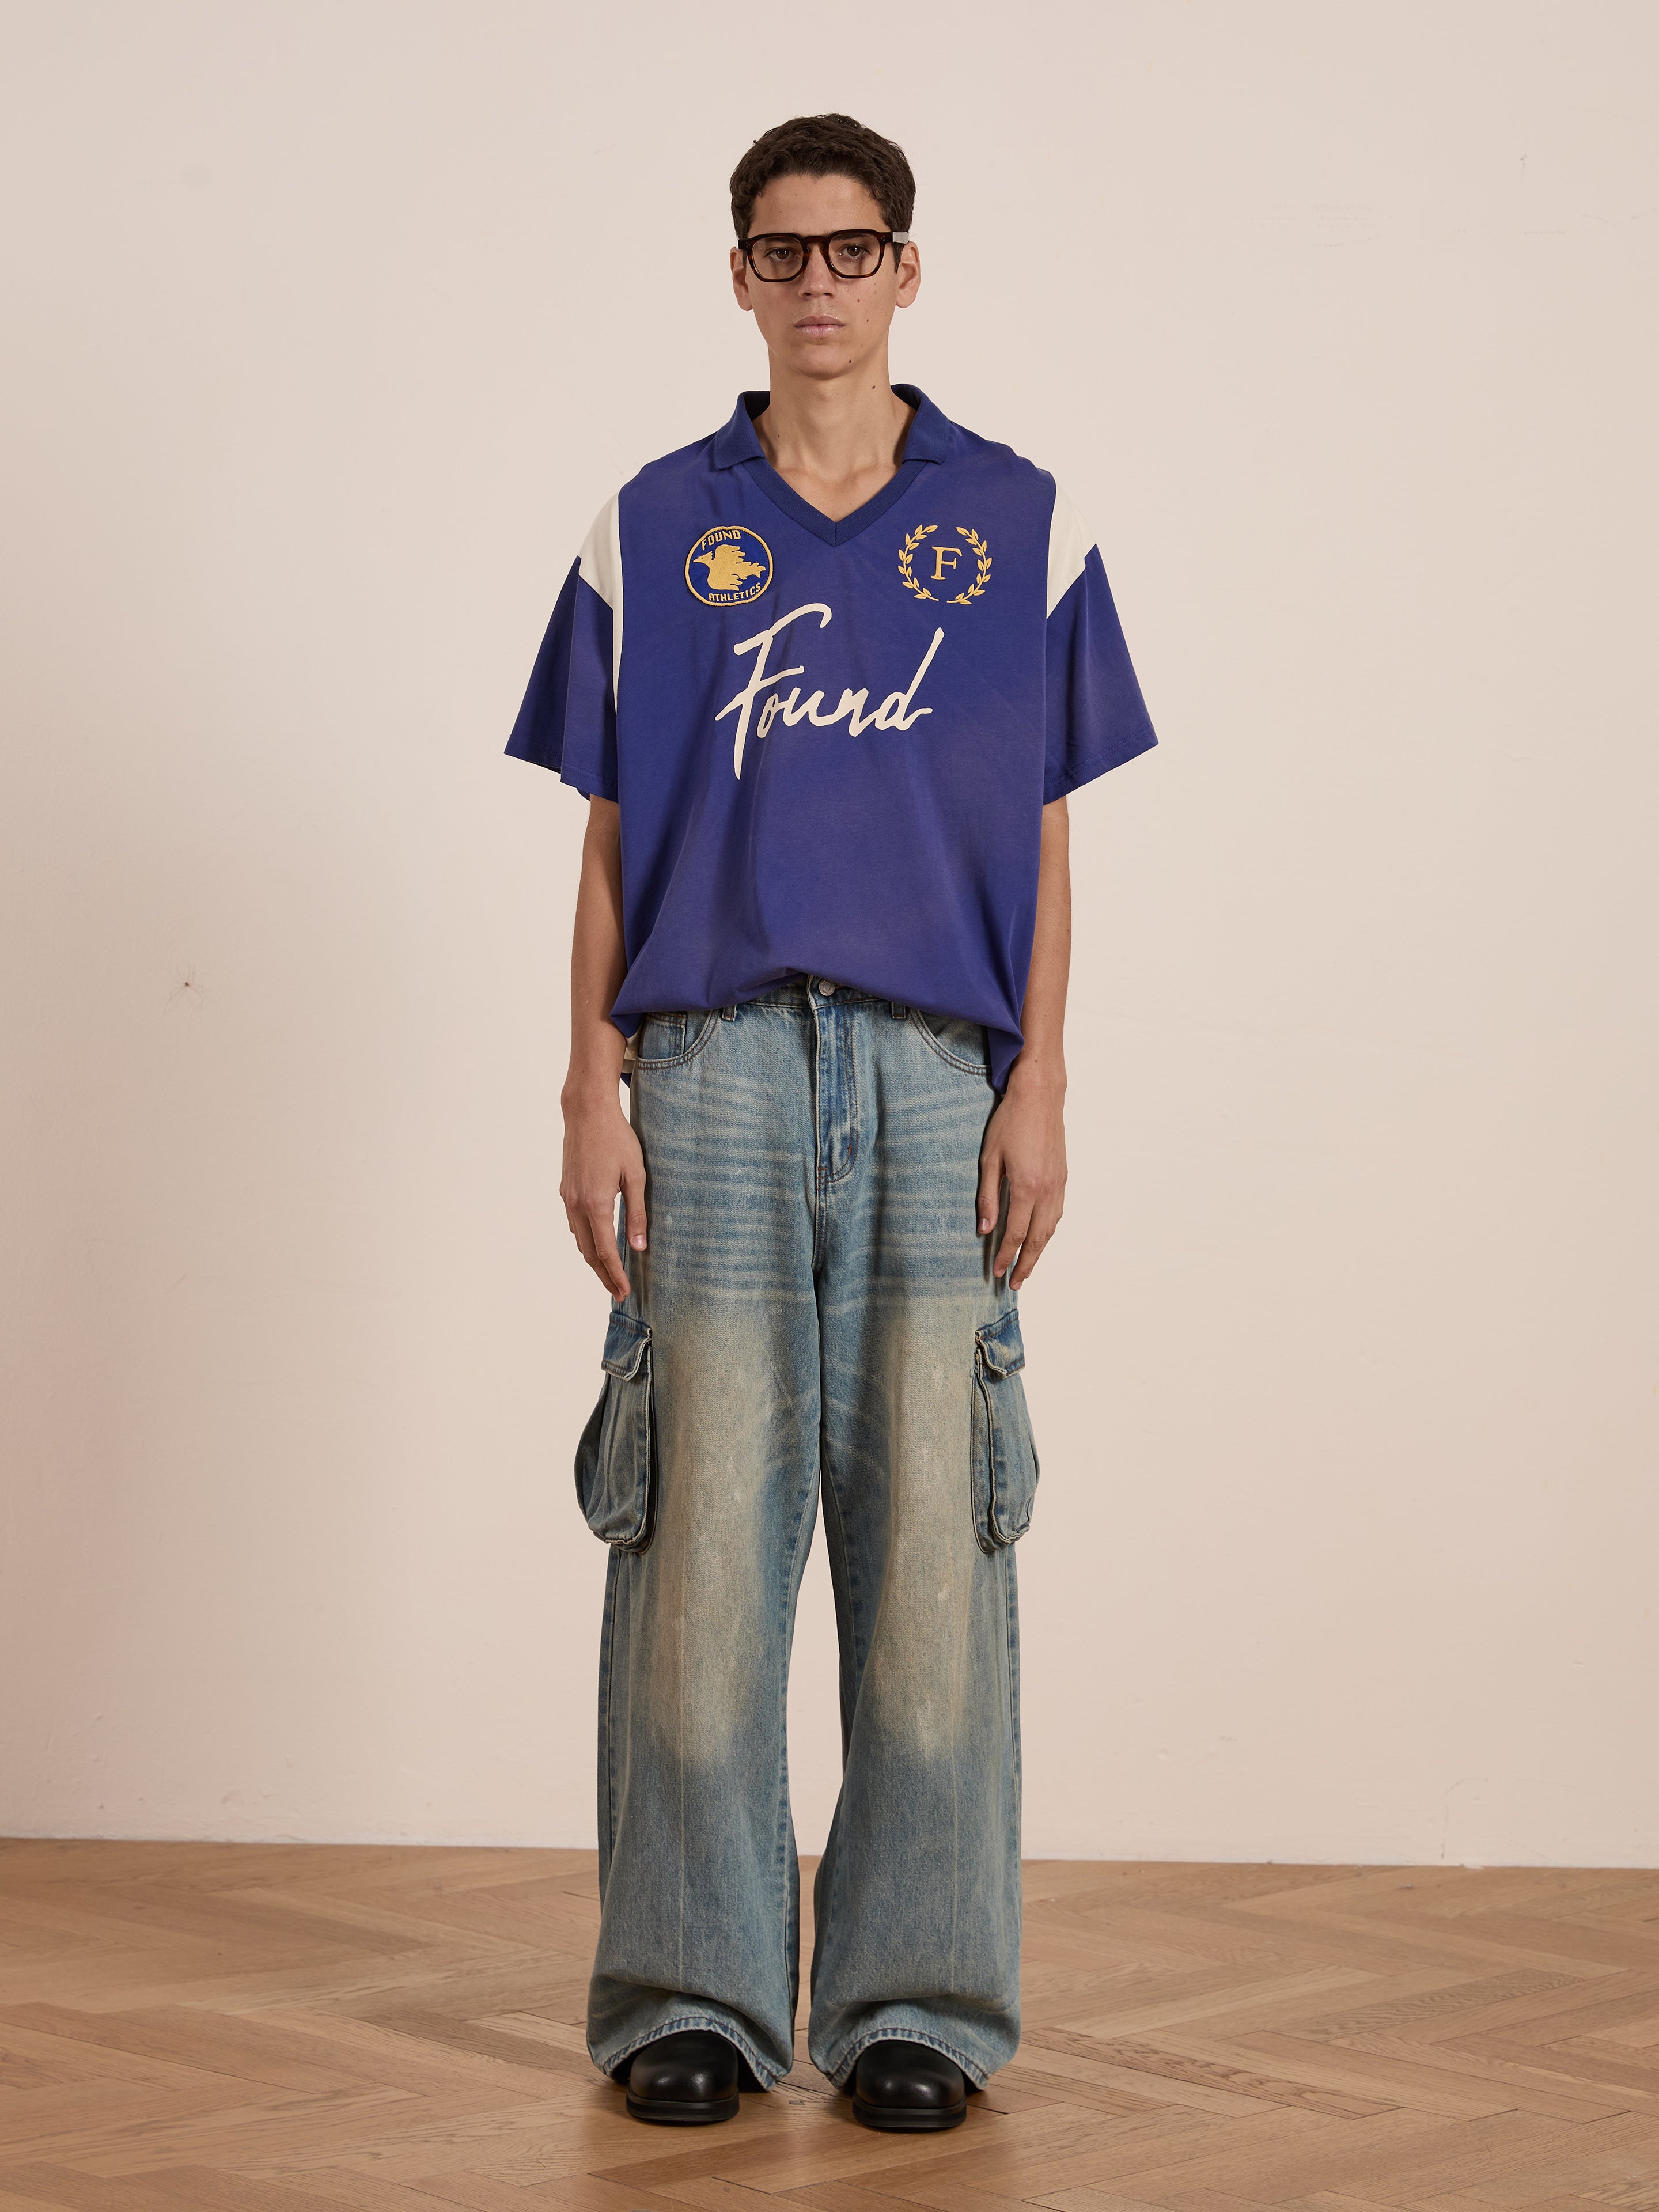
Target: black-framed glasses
{"points": [[778, 256]]}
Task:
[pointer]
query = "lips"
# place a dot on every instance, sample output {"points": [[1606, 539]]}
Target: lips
{"points": [[815, 324]]}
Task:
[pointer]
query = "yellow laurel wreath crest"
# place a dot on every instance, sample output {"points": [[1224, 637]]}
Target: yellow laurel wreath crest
{"points": [[982, 554], [907, 554]]}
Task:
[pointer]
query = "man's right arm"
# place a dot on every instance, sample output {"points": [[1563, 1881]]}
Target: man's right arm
{"points": [[602, 1154]]}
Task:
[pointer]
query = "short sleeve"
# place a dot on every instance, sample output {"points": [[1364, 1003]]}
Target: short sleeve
{"points": [[1096, 717], [568, 721]]}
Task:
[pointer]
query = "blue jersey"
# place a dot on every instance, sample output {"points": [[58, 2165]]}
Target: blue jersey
{"points": [[832, 742]]}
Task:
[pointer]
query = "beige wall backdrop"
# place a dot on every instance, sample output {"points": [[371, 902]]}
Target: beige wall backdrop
{"points": [[328, 327]]}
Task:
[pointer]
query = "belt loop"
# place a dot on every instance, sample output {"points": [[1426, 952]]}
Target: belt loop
{"points": [[729, 1013], [898, 1011]]}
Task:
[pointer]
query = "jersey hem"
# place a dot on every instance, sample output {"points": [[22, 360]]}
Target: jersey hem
{"points": [[1092, 769]]}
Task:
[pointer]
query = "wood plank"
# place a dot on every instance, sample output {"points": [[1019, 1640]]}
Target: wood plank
{"points": [[284, 2028]]}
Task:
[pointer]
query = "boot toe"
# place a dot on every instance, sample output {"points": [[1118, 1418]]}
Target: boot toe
{"points": [[683, 2080], [908, 2088]]}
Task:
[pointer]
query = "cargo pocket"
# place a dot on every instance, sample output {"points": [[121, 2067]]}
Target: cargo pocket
{"points": [[1005, 1457], [616, 1457]]}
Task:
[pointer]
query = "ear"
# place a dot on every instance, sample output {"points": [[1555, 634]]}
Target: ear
{"points": [[740, 281], [909, 275]]}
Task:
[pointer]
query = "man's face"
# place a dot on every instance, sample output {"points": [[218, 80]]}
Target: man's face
{"points": [[818, 323]]}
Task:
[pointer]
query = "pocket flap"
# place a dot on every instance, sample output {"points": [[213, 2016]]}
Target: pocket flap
{"points": [[625, 1340], [1000, 1340]]}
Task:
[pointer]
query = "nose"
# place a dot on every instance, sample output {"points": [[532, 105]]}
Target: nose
{"points": [[825, 277]]}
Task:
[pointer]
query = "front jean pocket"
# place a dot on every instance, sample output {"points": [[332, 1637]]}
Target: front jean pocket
{"points": [[671, 1040], [616, 1457], [957, 1040], [1004, 1473]]}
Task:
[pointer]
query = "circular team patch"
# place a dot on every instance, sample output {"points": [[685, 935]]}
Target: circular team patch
{"points": [[729, 566]]}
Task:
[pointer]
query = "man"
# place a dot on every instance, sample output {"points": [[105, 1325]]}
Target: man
{"points": [[825, 678]]}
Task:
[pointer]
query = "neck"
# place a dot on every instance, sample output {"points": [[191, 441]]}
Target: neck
{"points": [[834, 429]]}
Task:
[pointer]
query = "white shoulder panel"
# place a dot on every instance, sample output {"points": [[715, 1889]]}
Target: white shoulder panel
{"points": [[601, 567], [1068, 548]]}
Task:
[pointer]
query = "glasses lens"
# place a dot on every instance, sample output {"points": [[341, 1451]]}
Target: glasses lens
{"points": [[775, 259], [855, 252]]}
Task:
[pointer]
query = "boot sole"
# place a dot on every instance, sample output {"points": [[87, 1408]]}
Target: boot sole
{"points": [[894, 2119], [665, 2113]]}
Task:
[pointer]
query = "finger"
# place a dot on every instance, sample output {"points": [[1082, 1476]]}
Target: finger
{"points": [[990, 1190], [1045, 1219], [633, 1206], [593, 1225], [1014, 1234], [579, 1228], [582, 1229], [607, 1260]]}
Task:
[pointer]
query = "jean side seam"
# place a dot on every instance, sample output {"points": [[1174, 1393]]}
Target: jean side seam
{"points": [[786, 1641], [608, 1692], [834, 1903], [837, 1543], [1011, 1614]]}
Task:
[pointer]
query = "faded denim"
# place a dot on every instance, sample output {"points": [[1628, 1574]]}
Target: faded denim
{"points": [[816, 1304]]}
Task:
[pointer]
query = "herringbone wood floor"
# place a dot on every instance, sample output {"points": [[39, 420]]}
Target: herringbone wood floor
{"points": [[299, 2028]]}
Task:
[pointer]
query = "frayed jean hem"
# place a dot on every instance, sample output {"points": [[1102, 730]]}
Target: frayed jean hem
{"points": [[767, 2075], [841, 2071]]}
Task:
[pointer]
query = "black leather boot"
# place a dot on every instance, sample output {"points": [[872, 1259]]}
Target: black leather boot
{"points": [[908, 2088], [685, 2080]]}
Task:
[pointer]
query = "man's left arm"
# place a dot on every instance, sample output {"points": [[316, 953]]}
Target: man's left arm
{"points": [[1025, 1139]]}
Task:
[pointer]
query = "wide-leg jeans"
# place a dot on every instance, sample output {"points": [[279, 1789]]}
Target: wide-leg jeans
{"points": [[816, 1307]]}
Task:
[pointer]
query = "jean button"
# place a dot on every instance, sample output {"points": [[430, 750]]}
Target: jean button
{"points": [[825, 988]]}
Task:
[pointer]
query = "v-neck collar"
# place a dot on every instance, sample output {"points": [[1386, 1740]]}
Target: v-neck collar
{"points": [[737, 445]]}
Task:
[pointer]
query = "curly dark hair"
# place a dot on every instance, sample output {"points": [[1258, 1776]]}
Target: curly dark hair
{"points": [[825, 146]]}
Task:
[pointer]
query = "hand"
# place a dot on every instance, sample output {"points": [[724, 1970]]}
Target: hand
{"points": [[602, 1156], [1025, 1140]]}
